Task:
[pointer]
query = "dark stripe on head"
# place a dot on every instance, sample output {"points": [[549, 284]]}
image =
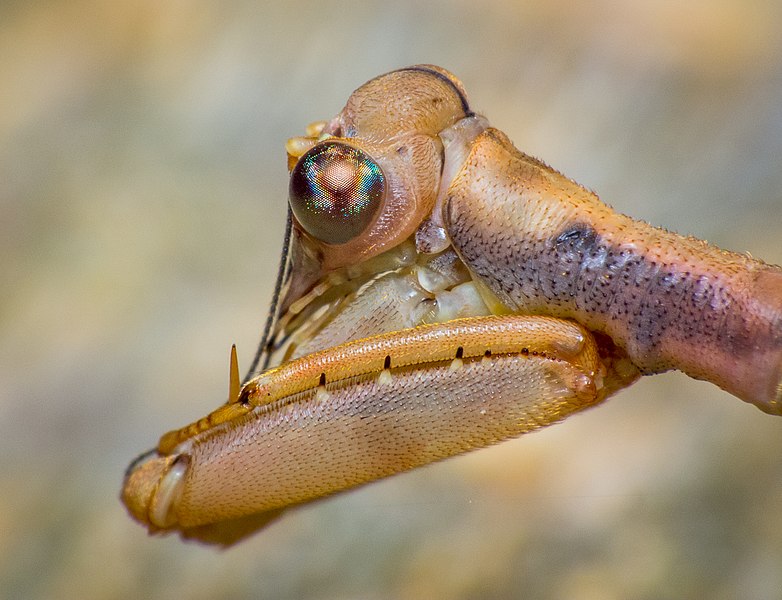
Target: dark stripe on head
{"points": [[465, 105]]}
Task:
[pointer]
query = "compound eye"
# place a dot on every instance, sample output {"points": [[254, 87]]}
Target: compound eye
{"points": [[336, 191]]}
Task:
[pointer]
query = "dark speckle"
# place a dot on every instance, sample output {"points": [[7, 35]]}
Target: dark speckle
{"points": [[579, 237]]}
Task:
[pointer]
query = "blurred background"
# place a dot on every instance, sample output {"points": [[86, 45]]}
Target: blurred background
{"points": [[142, 198]]}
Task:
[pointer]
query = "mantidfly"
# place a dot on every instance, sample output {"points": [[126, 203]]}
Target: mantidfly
{"points": [[439, 292]]}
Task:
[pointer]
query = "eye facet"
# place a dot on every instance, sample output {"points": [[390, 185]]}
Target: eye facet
{"points": [[336, 191]]}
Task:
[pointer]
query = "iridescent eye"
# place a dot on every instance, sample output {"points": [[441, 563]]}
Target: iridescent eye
{"points": [[335, 192]]}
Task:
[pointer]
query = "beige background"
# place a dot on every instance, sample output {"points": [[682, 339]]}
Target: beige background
{"points": [[142, 194]]}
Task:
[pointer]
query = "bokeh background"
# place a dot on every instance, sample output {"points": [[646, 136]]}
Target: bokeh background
{"points": [[142, 197]]}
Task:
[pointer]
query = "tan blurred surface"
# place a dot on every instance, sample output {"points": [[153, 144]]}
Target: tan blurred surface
{"points": [[142, 194]]}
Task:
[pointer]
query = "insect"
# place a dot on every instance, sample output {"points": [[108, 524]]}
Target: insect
{"points": [[441, 291]]}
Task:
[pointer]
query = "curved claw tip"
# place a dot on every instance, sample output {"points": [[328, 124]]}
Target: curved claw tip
{"points": [[150, 488]]}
